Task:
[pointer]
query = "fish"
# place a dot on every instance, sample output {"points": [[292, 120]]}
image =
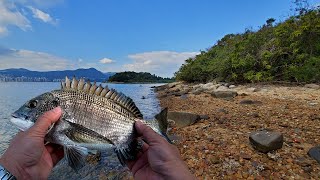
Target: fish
{"points": [[94, 118]]}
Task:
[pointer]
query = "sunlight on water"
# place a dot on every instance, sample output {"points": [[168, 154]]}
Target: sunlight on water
{"points": [[14, 94]]}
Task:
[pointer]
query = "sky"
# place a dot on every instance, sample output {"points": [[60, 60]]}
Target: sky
{"points": [[154, 36]]}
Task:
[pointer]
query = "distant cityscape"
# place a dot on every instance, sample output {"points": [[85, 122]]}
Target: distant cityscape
{"points": [[4, 78]]}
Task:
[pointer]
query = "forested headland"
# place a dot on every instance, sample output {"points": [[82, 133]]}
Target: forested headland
{"points": [[135, 77], [284, 51]]}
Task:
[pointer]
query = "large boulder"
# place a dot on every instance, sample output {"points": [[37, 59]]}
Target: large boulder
{"points": [[312, 86], [315, 153], [183, 119], [266, 141], [224, 94]]}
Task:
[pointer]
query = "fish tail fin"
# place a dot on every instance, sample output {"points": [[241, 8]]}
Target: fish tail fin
{"points": [[128, 152], [76, 156], [162, 122]]}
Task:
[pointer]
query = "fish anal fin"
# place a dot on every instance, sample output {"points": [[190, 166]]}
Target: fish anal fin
{"points": [[76, 156]]}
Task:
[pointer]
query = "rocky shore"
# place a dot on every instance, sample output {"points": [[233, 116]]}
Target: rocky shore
{"points": [[245, 131]]}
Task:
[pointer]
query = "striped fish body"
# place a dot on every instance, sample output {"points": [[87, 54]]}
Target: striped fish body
{"points": [[94, 118]]}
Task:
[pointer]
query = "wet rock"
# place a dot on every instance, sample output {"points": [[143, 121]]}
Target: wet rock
{"points": [[183, 119], [312, 86], [265, 141], [315, 153], [248, 101], [224, 94], [143, 97]]}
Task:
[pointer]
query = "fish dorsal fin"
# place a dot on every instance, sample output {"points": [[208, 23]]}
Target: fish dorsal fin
{"points": [[94, 89]]}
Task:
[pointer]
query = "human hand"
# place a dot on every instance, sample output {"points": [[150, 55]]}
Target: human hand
{"points": [[159, 159], [27, 156]]}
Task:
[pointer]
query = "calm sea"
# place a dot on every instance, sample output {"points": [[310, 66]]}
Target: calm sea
{"points": [[14, 94]]}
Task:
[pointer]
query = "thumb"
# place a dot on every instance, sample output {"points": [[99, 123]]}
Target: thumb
{"points": [[147, 133], [45, 121]]}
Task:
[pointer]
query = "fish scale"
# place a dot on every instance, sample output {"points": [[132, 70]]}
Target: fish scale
{"points": [[94, 118], [100, 115]]}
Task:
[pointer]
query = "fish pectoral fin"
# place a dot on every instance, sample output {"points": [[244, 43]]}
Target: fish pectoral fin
{"points": [[76, 156]]}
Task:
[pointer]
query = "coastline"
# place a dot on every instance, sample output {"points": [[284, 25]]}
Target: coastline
{"points": [[219, 146]]}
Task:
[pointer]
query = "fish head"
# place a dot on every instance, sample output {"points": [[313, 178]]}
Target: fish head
{"points": [[28, 113]]}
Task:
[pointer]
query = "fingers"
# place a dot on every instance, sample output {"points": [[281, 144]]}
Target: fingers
{"points": [[56, 152], [147, 133], [44, 122]]}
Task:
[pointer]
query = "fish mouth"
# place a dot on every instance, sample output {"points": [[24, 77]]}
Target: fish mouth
{"points": [[22, 123]]}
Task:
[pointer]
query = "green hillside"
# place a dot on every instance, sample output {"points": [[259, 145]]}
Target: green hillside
{"points": [[141, 77], [285, 51]]}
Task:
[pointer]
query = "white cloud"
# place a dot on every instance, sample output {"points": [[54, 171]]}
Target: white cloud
{"points": [[11, 58], [162, 63], [45, 17], [12, 13], [10, 16], [106, 61]]}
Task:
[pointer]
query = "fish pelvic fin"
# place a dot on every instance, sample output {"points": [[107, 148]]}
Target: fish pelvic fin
{"points": [[129, 152], [76, 156]]}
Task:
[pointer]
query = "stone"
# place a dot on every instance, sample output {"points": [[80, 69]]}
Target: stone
{"points": [[315, 153], [253, 89], [266, 141], [197, 91], [174, 84], [143, 97], [223, 111], [160, 88], [245, 156], [248, 101], [183, 119], [205, 117], [224, 94], [312, 86], [208, 86], [232, 86], [222, 88], [184, 96]]}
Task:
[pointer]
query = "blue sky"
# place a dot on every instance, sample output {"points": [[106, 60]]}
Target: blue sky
{"points": [[117, 35]]}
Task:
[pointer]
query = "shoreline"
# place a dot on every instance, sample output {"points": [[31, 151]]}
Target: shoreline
{"points": [[219, 146]]}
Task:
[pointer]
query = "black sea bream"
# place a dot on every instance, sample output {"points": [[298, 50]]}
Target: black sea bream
{"points": [[94, 118]]}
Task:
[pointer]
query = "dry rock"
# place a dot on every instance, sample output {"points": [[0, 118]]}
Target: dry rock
{"points": [[265, 141], [312, 86], [315, 153]]}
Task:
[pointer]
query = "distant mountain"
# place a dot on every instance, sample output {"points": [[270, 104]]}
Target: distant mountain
{"points": [[27, 75]]}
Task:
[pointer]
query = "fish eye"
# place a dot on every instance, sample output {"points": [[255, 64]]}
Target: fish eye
{"points": [[32, 104]]}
